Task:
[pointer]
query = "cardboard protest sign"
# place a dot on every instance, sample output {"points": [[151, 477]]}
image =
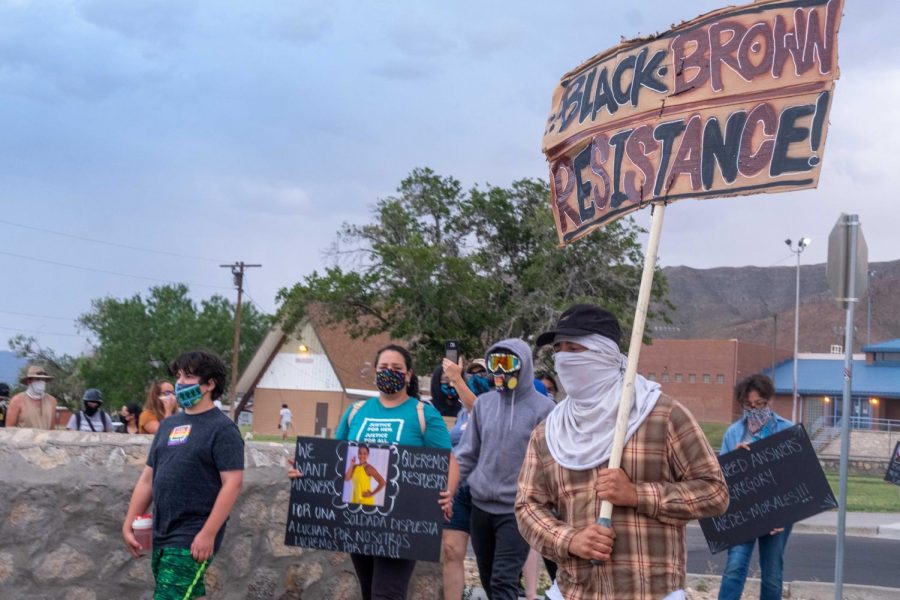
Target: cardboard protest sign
{"points": [[733, 102], [893, 472], [372, 499], [777, 483]]}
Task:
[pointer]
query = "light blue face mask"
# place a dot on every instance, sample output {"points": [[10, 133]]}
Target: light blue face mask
{"points": [[188, 394]]}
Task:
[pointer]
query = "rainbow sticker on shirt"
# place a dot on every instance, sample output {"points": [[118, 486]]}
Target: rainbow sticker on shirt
{"points": [[179, 435]]}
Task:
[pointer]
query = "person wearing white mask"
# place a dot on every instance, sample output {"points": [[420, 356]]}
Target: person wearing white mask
{"points": [[34, 407], [669, 473]]}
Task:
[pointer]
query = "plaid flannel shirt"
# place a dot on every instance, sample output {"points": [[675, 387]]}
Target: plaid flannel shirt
{"points": [[678, 479]]}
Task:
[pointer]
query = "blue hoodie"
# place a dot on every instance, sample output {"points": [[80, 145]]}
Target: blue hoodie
{"points": [[493, 447]]}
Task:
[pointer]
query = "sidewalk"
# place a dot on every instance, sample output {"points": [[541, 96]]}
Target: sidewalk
{"points": [[706, 587]]}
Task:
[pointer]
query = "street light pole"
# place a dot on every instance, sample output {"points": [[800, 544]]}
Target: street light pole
{"points": [[801, 246], [869, 308]]}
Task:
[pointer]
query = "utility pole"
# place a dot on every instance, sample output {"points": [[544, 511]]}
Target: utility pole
{"points": [[237, 271]]}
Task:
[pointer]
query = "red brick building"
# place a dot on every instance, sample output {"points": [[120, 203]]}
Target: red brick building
{"points": [[701, 374]]}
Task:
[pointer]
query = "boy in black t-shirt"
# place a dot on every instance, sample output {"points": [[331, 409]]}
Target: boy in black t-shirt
{"points": [[194, 474]]}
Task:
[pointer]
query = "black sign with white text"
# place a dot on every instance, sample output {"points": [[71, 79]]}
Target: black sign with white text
{"points": [[893, 472], [777, 483], [371, 499]]}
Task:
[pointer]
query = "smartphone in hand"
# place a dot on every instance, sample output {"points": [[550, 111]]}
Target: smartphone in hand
{"points": [[451, 350]]}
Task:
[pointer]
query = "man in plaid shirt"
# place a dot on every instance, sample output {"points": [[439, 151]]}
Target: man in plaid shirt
{"points": [[669, 473]]}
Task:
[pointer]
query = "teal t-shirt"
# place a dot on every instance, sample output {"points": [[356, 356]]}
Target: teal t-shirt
{"points": [[374, 423]]}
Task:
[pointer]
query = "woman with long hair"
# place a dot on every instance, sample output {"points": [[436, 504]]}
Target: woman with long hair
{"points": [[409, 422], [131, 417], [160, 403]]}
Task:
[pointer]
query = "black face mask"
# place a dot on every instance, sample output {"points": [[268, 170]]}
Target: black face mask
{"points": [[91, 409]]}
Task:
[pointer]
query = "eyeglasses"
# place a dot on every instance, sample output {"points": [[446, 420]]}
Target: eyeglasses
{"points": [[504, 363]]}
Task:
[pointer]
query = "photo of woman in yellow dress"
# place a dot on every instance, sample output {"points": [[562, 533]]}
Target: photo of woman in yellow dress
{"points": [[361, 474]]}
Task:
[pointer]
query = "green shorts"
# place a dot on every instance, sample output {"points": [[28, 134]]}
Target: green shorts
{"points": [[178, 575]]}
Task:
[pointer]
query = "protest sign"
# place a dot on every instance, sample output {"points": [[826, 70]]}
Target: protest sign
{"points": [[777, 483], [733, 102], [893, 472], [372, 499]]}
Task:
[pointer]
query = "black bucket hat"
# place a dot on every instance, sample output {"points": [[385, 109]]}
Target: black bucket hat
{"points": [[584, 319]]}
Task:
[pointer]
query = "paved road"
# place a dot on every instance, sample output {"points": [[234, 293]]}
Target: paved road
{"points": [[810, 557]]}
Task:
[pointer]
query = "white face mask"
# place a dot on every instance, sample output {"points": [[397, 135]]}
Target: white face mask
{"points": [[36, 389], [586, 375]]}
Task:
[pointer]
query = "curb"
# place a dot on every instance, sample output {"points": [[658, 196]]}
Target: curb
{"points": [[802, 589]]}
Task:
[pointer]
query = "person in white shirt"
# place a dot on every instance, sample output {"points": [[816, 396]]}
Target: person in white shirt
{"points": [[287, 418], [91, 418]]}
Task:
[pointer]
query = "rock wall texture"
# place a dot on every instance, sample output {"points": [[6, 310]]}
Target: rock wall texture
{"points": [[63, 496]]}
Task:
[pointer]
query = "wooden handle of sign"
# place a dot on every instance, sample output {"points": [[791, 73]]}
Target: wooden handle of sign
{"points": [[634, 352]]}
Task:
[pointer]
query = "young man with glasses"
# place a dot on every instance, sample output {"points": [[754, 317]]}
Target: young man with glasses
{"points": [[490, 455]]}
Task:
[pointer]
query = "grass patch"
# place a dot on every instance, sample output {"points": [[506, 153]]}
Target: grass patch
{"points": [[714, 434], [866, 493], [258, 437]]}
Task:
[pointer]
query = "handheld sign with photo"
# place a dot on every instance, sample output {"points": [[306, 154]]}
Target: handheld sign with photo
{"points": [[777, 483], [893, 472], [371, 499]]}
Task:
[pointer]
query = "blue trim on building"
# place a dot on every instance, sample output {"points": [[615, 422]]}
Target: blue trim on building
{"points": [[888, 346], [824, 377]]}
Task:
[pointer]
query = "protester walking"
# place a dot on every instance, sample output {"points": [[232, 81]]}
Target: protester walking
{"points": [[159, 404], [397, 416], [490, 455], [758, 421], [669, 474], [193, 476], [34, 407], [455, 539]]}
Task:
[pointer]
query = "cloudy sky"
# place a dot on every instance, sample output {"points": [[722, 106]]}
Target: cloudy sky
{"points": [[212, 131]]}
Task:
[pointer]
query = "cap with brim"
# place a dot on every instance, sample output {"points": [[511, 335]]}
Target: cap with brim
{"points": [[583, 319], [478, 362], [35, 372]]}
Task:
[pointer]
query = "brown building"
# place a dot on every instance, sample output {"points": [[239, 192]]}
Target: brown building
{"points": [[318, 372], [701, 374]]}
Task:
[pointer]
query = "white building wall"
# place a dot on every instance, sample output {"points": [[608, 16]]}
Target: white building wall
{"points": [[295, 369]]}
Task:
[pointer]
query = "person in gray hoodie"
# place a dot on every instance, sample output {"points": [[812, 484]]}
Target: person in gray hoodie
{"points": [[490, 456]]}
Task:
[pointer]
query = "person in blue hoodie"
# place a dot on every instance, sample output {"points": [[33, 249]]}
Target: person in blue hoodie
{"points": [[490, 455]]}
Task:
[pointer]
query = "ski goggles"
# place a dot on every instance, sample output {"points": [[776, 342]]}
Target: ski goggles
{"points": [[503, 363]]}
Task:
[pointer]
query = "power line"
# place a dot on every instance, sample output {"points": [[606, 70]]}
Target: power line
{"points": [[21, 314], [34, 331], [105, 272], [108, 243]]}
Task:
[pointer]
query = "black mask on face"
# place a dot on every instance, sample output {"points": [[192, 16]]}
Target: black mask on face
{"points": [[91, 408]]}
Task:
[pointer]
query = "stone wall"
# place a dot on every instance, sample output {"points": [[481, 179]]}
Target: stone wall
{"points": [[63, 496]]}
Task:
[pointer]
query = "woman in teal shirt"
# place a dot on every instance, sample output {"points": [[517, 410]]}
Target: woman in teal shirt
{"points": [[395, 416]]}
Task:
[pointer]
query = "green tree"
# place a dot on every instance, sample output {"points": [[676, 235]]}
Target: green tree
{"points": [[136, 338], [437, 262]]}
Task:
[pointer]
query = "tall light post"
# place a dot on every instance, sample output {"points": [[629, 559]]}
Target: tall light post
{"points": [[798, 250], [871, 274]]}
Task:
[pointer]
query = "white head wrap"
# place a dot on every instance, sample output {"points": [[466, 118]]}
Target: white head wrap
{"points": [[581, 428]]}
